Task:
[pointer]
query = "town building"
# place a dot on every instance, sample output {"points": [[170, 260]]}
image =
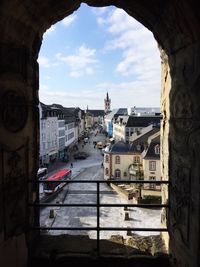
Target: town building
{"points": [[93, 116], [175, 26], [152, 166], [110, 118], [138, 160], [125, 126], [48, 134], [107, 104]]}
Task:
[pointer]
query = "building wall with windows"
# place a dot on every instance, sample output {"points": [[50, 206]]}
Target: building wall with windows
{"points": [[152, 171], [126, 126], [61, 138], [152, 166], [119, 129], [48, 134], [43, 139], [117, 165], [69, 133], [51, 132]]}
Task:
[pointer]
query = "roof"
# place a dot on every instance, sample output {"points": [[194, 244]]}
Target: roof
{"points": [[139, 144], [116, 112], [119, 146], [150, 154], [47, 111], [143, 121], [96, 112], [122, 111], [144, 137], [122, 119]]}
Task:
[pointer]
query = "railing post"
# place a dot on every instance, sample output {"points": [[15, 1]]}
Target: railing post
{"points": [[98, 219]]}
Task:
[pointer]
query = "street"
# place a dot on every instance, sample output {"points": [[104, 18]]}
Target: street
{"points": [[82, 193]]}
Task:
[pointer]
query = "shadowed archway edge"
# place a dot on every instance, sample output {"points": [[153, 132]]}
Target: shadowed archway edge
{"points": [[174, 24]]}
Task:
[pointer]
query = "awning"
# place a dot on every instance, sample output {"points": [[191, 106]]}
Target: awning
{"points": [[52, 152]]}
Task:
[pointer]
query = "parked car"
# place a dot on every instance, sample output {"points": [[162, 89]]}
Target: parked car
{"points": [[100, 145], [80, 155], [86, 140]]}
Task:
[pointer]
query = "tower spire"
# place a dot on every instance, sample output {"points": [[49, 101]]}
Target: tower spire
{"points": [[107, 103], [107, 97]]}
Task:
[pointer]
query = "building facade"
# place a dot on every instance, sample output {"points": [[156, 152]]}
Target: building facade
{"points": [[107, 104]]}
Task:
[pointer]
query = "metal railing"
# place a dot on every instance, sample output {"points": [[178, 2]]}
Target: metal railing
{"points": [[98, 205]]}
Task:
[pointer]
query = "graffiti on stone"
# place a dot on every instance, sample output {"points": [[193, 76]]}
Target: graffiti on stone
{"points": [[14, 174], [14, 110], [181, 202]]}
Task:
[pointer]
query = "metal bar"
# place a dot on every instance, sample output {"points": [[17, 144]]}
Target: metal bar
{"points": [[98, 220], [100, 205], [103, 181], [102, 228]]}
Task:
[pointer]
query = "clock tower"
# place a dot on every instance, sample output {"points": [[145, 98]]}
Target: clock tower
{"points": [[107, 104]]}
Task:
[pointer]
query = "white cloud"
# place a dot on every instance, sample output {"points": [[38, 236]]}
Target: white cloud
{"points": [[81, 62], [72, 98], [101, 21], [125, 94], [50, 30], [140, 55], [46, 62], [100, 10], [119, 21], [135, 92], [69, 20]]}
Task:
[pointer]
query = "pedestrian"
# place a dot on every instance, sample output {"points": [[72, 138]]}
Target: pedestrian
{"points": [[71, 165]]}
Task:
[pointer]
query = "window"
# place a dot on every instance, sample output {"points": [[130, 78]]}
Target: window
{"points": [[152, 186], [61, 124], [136, 159], [61, 133], [157, 149], [117, 160], [152, 165], [107, 158], [107, 171], [117, 173]]}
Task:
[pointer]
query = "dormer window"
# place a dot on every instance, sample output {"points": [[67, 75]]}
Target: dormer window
{"points": [[157, 149]]}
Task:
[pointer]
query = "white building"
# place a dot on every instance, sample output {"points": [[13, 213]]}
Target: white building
{"points": [[69, 135], [152, 166], [139, 160], [48, 134], [125, 126]]}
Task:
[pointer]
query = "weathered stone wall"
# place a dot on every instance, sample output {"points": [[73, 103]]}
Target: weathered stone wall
{"points": [[184, 154], [176, 27], [180, 152]]}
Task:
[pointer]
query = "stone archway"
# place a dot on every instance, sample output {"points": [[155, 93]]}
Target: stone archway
{"points": [[175, 26]]}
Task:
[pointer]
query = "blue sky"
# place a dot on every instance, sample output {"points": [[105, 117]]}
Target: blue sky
{"points": [[95, 51]]}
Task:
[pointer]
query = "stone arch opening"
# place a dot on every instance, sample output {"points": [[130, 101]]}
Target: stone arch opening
{"points": [[175, 26]]}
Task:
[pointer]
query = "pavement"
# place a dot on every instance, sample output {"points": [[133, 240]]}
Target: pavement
{"points": [[79, 165], [91, 169]]}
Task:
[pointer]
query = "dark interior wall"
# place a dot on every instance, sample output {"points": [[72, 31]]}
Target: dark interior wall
{"points": [[176, 27]]}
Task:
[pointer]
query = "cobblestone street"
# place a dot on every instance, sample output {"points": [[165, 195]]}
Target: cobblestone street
{"points": [[90, 169]]}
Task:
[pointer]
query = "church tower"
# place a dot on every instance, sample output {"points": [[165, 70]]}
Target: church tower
{"points": [[107, 104]]}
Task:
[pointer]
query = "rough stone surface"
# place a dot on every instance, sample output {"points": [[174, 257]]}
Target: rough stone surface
{"points": [[176, 27]]}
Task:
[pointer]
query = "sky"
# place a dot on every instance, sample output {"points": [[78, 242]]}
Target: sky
{"points": [[98, 50]]}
